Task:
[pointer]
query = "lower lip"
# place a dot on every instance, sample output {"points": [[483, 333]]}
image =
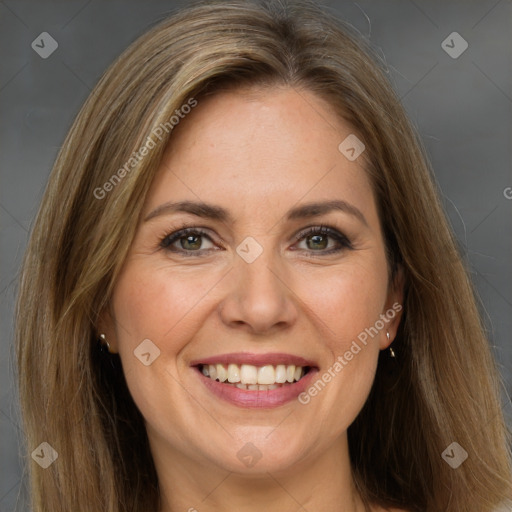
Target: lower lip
{"points": [[257, 399]]}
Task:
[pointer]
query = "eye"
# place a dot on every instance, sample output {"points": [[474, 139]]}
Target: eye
{"points": [[192, 241], [323, 239], [187, 240]]}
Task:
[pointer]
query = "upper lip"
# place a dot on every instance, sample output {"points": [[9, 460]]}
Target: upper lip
{"points": [[240, 358]]}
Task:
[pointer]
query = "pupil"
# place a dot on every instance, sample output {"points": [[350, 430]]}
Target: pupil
{"points": [[319, 240], [191, 242]]}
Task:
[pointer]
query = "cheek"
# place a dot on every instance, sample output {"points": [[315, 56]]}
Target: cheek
{"points": [[154, 302], [347, 304], [347, 300], [158, 304]]}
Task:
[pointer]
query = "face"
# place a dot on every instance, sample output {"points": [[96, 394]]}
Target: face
{"points": [[259, 280]]}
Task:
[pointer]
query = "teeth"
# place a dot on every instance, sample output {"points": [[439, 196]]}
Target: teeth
{"points": [[222, 373], [252, 377], [281, 373], [233, 373], [249, 374], [266, 375]]}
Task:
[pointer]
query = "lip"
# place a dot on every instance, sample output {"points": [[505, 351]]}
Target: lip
{"points": [[240, 358], [256, 399]]}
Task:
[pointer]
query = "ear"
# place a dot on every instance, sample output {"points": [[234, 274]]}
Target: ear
{"points": [[105, 325], [393, 309]]}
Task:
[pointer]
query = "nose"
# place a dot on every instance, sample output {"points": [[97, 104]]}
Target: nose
{"points": [[259, 299]]}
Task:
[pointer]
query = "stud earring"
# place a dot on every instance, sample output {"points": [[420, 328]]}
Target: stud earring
{"points": [[391, 351], [105, 343]]}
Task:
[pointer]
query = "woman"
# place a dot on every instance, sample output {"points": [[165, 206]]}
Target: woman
{"points": [[241, 291]]}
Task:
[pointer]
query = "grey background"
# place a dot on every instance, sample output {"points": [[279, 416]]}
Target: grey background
{"points": [[462, 108]]}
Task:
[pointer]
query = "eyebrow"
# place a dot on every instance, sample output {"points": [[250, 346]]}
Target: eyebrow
{"points": [[213, 212]]}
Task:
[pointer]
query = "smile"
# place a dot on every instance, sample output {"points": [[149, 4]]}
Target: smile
{"points": [[254, 378]]}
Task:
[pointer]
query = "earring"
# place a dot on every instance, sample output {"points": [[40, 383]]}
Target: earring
{"points": [[391, 351], [105, 343]]}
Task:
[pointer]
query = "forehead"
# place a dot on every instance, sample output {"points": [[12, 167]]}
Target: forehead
{"points": [[254, 149]]}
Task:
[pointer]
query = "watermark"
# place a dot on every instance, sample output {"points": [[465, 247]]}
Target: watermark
{"points": [[45, 455], [355, 348], [249, 455], [44, 45], [138, 156], [454, 455], [351, 147], [507, 192], [249, 249], [146, 352], [454, 45]]}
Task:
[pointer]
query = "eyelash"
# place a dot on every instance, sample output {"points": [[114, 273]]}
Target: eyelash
{"points": [[170, 238]]}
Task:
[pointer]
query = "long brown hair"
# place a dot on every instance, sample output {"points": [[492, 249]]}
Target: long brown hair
{"points": [[444, 387]]}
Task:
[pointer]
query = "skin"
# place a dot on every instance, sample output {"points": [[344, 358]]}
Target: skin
{"points": [[256, 154]]}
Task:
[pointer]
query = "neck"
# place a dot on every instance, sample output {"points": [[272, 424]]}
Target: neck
{"points": [[322, 483]]}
